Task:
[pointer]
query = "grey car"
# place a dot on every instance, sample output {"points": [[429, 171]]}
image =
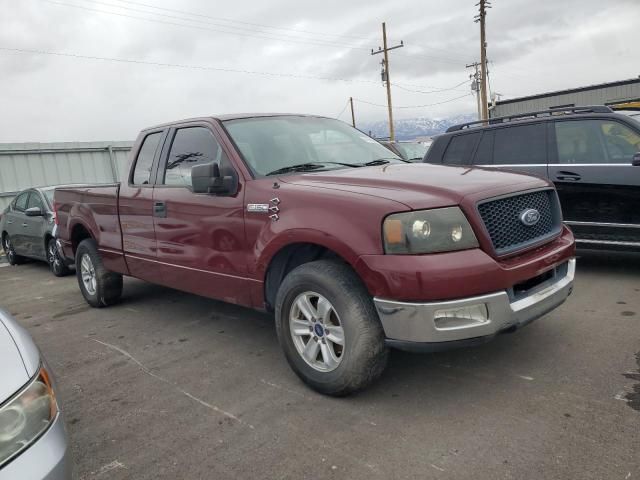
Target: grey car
{"points": [[26, 229], [33, 441]]}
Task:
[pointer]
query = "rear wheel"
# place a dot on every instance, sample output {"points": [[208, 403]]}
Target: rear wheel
{"points": [[12, 257], [329, 329], [99, 287], [56, 264]]}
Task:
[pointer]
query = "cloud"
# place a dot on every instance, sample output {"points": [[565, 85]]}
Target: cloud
{"points": [[534, 47]]}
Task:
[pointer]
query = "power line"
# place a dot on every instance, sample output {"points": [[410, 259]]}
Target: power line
{"points": [[432, 91], [414, 106], [155, 20], [241, 22], [177, 65], [206, 22], [186, 66], [259, 34]]}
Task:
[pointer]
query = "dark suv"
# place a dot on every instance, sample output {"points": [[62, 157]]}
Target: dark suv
{"points": [[591, 154]]}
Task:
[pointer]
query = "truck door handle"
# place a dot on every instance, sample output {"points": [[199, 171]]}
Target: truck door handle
{"points": [[570, 176], [25, 225], [160, 209], [9, 222]]}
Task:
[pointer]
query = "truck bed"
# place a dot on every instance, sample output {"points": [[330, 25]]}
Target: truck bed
{"points": [[94, 209]]}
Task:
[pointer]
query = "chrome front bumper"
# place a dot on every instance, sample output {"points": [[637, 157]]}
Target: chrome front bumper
{"points": [[475, 317]]}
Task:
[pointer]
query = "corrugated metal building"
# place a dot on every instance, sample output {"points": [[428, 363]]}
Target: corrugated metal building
{"points": [[24, 165], [613, 93]]}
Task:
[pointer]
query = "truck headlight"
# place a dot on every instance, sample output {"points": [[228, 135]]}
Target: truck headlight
{"points": [[428, 231], [25, 417]]}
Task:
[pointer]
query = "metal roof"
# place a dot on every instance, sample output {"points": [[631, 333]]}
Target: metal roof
{"points": [[619, 83]]}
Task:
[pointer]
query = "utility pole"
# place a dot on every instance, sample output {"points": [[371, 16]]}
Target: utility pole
{"points": [[484, 5], [385, 75], [353, 116], [475, 85]]}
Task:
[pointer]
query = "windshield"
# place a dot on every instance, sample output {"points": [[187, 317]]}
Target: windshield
{"points": [[271, 144], [412, 151]]}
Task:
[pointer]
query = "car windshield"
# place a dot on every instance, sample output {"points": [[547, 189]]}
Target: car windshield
{"points": [[283, 144], [412, 151]]}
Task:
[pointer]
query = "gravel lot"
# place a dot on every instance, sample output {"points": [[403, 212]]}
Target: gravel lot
{"points": [[170, 385]]}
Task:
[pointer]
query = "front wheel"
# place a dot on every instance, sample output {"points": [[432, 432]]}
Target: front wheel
{"points": [[12, 257], [329, 329], [99, 287], [56, 264]]}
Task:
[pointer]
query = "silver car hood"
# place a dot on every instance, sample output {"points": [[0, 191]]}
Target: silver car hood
{"points": [[19, 356]]}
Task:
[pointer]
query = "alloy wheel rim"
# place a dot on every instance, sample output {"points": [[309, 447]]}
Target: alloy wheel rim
{"points": [[8, 249], [53, 258], [88, 274], [316, 331]]}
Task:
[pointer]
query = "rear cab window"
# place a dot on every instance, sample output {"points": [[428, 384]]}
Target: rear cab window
{"points": [[144, 162]]}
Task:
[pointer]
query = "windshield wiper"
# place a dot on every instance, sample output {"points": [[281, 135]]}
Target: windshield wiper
{"points": [[382, 161], [309, 167]]}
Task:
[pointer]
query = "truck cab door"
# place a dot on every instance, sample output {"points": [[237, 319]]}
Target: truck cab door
{"points": [[135, 207], [598, 185], [201, 238]]}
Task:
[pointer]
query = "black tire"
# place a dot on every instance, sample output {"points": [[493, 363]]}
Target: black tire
{"points": [[56, 263], [12, 257], [364, 354], [108, 285]]}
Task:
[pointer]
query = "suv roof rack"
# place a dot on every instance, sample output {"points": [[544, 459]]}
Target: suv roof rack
{"points": [[541, 113]]}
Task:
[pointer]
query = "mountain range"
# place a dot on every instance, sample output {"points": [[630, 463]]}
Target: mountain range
{"points": [[410, 128]]}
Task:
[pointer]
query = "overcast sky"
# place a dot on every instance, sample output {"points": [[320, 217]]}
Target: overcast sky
{"points": [[533, 45]]}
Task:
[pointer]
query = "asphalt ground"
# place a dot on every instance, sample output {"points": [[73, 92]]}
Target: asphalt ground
{"points": [[168, 385]]}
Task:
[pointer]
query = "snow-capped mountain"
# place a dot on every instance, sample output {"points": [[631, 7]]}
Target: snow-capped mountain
{"points": [[410, 128]]}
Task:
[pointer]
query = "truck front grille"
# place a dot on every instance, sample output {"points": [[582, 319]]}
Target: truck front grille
{"points": [[508, 233]]}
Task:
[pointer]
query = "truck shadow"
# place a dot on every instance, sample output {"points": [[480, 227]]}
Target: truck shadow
{"points": [[608, 263]]}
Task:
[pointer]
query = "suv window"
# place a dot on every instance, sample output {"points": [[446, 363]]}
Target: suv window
{"points": [[192, 146], [144, 162], [21, 202], [620, 141], [35, 201], [460, 149], [521, 145]]}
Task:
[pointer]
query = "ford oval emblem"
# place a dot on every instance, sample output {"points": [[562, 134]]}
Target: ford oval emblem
{"points": [[530, 217]]}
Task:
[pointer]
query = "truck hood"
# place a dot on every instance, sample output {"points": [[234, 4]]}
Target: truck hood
{"points": [[419, 185], [19, 357]]}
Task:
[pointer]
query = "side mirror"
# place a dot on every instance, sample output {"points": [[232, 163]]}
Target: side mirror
{"points": [[206, 178], [34, 212], [636, 160]]}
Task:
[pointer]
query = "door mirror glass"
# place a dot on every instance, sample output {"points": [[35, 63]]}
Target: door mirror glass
{"points": [[206, 178], [33, 212], [636, 160]]}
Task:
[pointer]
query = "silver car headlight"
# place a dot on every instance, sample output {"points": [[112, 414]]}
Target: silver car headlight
{"points": [[26, 416], [428, 231]]}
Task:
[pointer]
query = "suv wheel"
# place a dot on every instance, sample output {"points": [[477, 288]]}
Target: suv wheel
{"points": [[99, 287], [56, 264], [329, 329], [12, 257]]}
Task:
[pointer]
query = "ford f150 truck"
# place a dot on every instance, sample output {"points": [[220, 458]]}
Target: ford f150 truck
{"points": [[353, 249]]}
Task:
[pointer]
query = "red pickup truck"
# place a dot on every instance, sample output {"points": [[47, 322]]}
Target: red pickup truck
{"points": [[353, 249]]}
